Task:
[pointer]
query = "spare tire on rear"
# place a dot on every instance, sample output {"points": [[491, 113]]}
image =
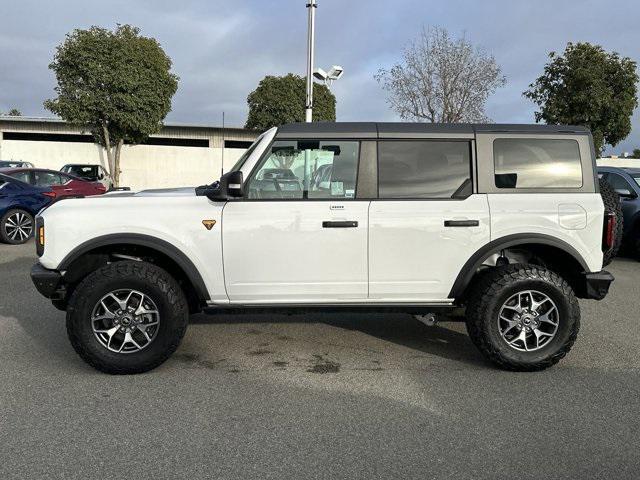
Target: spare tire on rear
{"points": [[611, 202]]}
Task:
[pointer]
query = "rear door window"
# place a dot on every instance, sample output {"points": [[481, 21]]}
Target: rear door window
{"points": [[537, 163], [424, 169], [22, 176], [47, 179]]}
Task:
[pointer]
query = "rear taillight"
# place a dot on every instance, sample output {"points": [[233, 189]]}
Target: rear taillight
{"points": [[49, 194], [609, 231]]}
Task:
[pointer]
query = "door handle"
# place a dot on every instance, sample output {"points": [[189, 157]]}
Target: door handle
{"points": [[461, 223], [340, 224]]}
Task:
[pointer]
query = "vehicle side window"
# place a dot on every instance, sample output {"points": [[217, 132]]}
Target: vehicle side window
{"points": [[537, 163], [22, 176], [618, 182], [306, 169], [424, 169], [46, 179]]}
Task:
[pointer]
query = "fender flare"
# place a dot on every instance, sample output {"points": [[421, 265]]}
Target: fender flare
{"points": [[473, 263], [147, 241]]}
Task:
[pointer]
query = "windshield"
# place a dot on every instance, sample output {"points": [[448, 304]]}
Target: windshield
{"points": [[9, 164], [246, 154], [84, 171]]}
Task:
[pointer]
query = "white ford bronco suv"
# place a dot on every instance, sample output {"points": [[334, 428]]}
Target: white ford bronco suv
{"points": [[504, 220]]}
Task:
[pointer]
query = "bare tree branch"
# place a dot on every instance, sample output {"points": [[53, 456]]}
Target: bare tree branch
{"points": [[441, 79]]}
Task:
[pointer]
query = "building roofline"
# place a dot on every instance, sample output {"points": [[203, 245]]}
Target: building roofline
{"points": [[27, 119]]}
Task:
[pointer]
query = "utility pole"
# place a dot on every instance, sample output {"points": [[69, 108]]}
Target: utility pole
{"points": [[311, 6]]}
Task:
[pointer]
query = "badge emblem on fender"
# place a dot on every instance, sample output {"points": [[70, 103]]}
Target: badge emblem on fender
{"points": [[208, 224]]}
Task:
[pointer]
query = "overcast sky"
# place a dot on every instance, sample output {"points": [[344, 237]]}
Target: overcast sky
{"points": [[221, 49]]}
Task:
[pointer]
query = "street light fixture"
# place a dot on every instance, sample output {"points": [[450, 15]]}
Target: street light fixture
{"points": [[334, 73]]}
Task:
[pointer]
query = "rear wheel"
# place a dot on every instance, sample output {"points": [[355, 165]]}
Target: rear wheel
{"points": [[523, 317], [16, 226], [611, 202], [127, 317]]}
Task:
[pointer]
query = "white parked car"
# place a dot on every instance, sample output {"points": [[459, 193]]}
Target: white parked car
{"points": [[505, 220]]}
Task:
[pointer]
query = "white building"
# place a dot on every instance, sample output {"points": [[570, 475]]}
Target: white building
{"points": [[180, 155]]}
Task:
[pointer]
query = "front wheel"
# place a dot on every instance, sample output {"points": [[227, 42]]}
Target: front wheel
{"points": [[127, 317], [523, 317]]}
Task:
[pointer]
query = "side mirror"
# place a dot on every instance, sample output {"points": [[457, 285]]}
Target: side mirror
{"points": [[625, 193], [229, 186]]}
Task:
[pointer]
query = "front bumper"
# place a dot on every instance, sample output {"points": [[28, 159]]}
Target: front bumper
{"points": [[48, 282], [596, 285]]}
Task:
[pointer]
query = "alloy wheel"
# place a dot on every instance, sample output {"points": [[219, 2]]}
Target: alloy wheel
{"points": [[125, 321], [528, 320], [18, 227]]}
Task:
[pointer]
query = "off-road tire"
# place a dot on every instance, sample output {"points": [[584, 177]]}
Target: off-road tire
{"points": [[141, 276], [489, 293], [611, 202], [4, 237]]}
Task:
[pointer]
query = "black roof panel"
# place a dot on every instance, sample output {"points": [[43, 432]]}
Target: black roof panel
{"points": [[409, 129], [333, 129]]}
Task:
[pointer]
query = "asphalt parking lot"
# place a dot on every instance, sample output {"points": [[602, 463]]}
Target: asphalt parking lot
{"points": [[317, 396]]}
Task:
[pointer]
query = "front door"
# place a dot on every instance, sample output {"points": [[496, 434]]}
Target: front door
{"points": [[299, 235]]}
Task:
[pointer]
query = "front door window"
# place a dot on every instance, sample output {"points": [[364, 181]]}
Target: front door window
{"points": [[307, 169]]}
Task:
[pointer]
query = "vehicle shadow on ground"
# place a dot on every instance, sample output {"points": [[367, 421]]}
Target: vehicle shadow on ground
{"points": [[45, 325], [441, 340]]}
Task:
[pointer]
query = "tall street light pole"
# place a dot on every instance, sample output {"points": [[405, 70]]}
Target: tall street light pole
{"points": [[311, 6]]}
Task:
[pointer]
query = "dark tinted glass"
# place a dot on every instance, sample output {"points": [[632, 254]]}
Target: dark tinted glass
{"points": [[618, 182], [537, 163], [424, 169]]}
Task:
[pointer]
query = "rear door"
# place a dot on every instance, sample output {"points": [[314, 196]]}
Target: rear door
{"points": [[300, 235], [543, 184], [426, 222]]}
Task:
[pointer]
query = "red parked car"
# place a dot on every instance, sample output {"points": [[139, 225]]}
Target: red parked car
{"points": [[63, 184]]}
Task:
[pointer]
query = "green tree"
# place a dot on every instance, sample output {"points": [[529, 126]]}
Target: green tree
{"points": [[636, 153], [588, 86], [116, 84], [279, 100], [14, 112]]}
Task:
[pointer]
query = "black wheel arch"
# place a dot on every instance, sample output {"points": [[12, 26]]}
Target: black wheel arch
{"points": [[576, 264], [95, 252]]}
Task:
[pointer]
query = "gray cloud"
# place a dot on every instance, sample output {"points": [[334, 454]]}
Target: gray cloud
{"points": [[221, 49]]}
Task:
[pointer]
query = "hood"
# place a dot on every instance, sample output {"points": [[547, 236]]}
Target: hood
{"points": [[158, 192]]}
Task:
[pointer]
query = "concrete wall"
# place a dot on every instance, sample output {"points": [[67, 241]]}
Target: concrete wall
{"points": [[143, 166], [619, 162]]}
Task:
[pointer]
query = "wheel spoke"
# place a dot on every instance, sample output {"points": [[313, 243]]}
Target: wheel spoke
{"points": [[546, 317], [107, 311], [121, 303], [111, 333], [523, 337], [511, 324], [514, 308]]}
